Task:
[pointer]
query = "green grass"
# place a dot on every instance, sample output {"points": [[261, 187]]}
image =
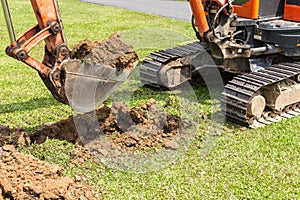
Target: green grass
{"points": [[253, 164]]}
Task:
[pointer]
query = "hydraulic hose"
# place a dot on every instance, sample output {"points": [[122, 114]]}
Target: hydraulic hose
{"points": [[8, 20]]}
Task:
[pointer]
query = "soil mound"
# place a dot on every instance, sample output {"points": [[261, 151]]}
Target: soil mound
{"points": [[137, 128], [25, 177], [113, 52], [146, 128]]}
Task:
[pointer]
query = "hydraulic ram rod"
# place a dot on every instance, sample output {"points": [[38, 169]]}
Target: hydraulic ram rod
{"points": [[8, 20]]}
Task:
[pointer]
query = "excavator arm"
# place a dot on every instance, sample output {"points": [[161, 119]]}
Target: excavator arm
{"points": [[75, 82], [49, 29], [199, 16]]}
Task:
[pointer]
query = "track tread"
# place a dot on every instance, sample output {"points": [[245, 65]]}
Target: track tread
{"points": [[248, 85], [151, 66]]}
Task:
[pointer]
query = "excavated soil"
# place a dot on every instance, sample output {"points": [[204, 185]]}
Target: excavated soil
{"points": [[113, 52], [134, 128], [141, 128], [137, 128], [13, 136], [148, 129], [128, 128], [25, 177]]}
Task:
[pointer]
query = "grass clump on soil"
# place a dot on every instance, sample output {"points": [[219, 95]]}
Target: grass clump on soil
{"points": [[236, 164]]}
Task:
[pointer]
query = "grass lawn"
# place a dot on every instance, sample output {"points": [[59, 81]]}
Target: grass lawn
{"points": [[258, 163]]}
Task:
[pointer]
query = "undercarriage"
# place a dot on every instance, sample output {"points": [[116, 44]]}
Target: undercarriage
{"points": [[252, 99]]}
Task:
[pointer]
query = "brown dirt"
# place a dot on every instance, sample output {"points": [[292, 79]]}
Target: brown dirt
{"points": [[13, 136], [141, 128], [25, 177], [148, 128], [112, 51]]}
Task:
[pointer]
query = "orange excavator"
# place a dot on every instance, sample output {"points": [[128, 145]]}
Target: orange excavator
{"points": [[256, 41]]}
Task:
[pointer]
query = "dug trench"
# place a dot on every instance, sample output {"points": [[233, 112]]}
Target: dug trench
{"points": [[141, 128]]}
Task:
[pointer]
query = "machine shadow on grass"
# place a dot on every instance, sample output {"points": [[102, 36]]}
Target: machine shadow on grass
{"points": [[32, 104]]}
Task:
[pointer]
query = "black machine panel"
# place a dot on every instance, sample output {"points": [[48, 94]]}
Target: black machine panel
{"points": [[272, 8], [293, 2]]}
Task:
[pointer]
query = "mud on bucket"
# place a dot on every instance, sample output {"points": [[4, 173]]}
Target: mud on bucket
{"points": [[87, 85]]}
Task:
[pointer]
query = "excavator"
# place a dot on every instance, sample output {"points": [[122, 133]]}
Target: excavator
{"points": [[256, 41]]}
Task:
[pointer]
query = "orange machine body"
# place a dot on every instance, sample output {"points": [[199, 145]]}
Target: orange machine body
{"points": [[247, 9], [199, 15], [292, 10]]}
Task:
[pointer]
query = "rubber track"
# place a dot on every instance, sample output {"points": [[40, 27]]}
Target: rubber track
{"points": [[150, 67], [239, 91]]}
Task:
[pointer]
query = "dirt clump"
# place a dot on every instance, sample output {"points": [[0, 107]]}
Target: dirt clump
{"points": [[147, 126], [26, 177], [113, 52], [62, 130], [5, 134], [14, 136]]}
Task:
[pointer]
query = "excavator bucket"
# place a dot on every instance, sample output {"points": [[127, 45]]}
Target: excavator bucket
{"points": [[92, 73], [87, 85], [95, 71]]}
